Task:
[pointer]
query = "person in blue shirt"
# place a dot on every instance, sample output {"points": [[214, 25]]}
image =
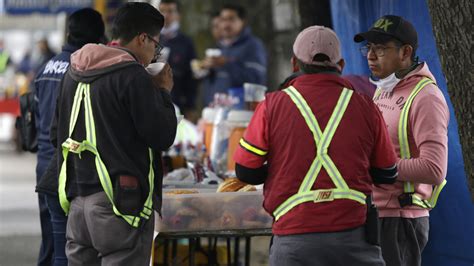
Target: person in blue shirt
{"points": [[243, 57], [179, 50], [83, 26]]}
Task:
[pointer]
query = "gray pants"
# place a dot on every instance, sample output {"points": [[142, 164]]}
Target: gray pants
{"points": [[331, 249], [96, 236], [403, 240]]}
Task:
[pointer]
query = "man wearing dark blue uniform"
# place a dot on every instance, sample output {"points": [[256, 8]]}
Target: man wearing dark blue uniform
{"points": [[84, 26]]}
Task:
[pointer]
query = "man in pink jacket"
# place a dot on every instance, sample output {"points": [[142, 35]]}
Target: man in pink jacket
{"points": [[417, 116]]}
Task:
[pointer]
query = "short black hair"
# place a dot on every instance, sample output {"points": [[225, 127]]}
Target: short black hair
{"points": [[178, 5], [313, 69], [134, 18], [240, 10], [85, 26]]}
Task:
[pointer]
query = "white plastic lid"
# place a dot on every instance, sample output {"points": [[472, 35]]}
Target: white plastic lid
{"points": [[239, 116], [208, 114]]}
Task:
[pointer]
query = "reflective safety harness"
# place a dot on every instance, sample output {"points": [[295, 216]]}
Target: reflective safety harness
{"points": [[409, 197], [322, 159], [3, 61], [70, 145]]}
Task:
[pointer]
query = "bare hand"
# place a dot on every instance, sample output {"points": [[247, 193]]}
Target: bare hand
{"points": [[164, 79]]}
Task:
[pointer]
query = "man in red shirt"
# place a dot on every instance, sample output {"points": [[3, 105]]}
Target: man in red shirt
{"points": [[324, 147]]}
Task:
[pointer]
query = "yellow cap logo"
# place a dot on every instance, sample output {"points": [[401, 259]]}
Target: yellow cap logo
{"points": [[382, 24]]}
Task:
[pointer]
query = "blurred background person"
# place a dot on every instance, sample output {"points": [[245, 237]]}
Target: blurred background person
{"points": [[44, 54], [216, 27], [4, 57], [179, 51], [83, 26], [242, 57]]}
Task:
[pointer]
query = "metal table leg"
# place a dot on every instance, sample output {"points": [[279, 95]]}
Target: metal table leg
{"points": [[229, 261], [174, 251], [192, 250], [247, 251], [165, 251], [236, 251]]}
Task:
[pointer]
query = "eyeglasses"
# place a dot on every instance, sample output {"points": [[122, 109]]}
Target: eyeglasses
{"points": [[158, 46], [379, 50]]}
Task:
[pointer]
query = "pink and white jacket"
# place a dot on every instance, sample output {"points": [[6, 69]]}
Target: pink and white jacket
{"points": [[427, 137]]}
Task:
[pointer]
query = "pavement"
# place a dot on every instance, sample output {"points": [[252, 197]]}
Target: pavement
{"points": [[19, 219]]}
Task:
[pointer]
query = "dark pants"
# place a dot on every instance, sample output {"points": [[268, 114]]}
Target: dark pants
{"points": [[58, 222], [45, 256], [96, 236], [332, 249], [403, 240]]}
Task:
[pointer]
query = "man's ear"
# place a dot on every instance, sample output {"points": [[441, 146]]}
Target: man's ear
{"points": [[140, 39], [407, 52], [341, 64], [294, 65]]}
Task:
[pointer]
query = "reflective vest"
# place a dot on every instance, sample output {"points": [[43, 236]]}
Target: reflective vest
{"points": [[409, 197], [89, 144], [322, 159], [3, 61]]}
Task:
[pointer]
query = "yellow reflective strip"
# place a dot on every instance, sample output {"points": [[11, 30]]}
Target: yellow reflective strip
{"points": [[350, 194], [408, 187], [93, 133], [327, 136], [151, 180], [104, 178], [292, 202], [128, 218], [251, 148], [335, 120], [420, 202], [403, 121], [76, 106], [305, 111], [378, 91], [62, 184], [3, 61], [403, 127], [322, 159], [89, 144], [90, 125], [312, 123], [435, 195], [334, 173], [317, 196], [311, 176]]}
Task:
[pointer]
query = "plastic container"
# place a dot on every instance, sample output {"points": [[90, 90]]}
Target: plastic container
{"points": [[237, 122], [208, 115], [236, 96], [253, 94], [210, 211], [219, 141]]}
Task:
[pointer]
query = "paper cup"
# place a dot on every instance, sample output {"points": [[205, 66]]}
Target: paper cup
{"points": [[155, 68]]}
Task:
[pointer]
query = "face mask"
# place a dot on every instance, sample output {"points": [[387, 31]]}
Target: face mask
{"points": [[172, 28], [387, 84]]}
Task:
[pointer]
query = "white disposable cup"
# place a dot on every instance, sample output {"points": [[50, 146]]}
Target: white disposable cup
{"points": [[155, 68]]}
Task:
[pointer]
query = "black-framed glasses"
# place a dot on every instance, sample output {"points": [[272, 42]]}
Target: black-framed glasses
{"points": [[378, 49], [158, 46]]}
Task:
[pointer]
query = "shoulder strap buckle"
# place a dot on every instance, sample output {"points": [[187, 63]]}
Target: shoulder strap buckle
{"points": [[73, 146]]}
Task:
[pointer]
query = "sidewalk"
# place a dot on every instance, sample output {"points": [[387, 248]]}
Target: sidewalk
{"points": [[19, 220]]}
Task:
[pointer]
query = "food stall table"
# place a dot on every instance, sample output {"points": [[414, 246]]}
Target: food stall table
{"points": [[194, 238]]}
